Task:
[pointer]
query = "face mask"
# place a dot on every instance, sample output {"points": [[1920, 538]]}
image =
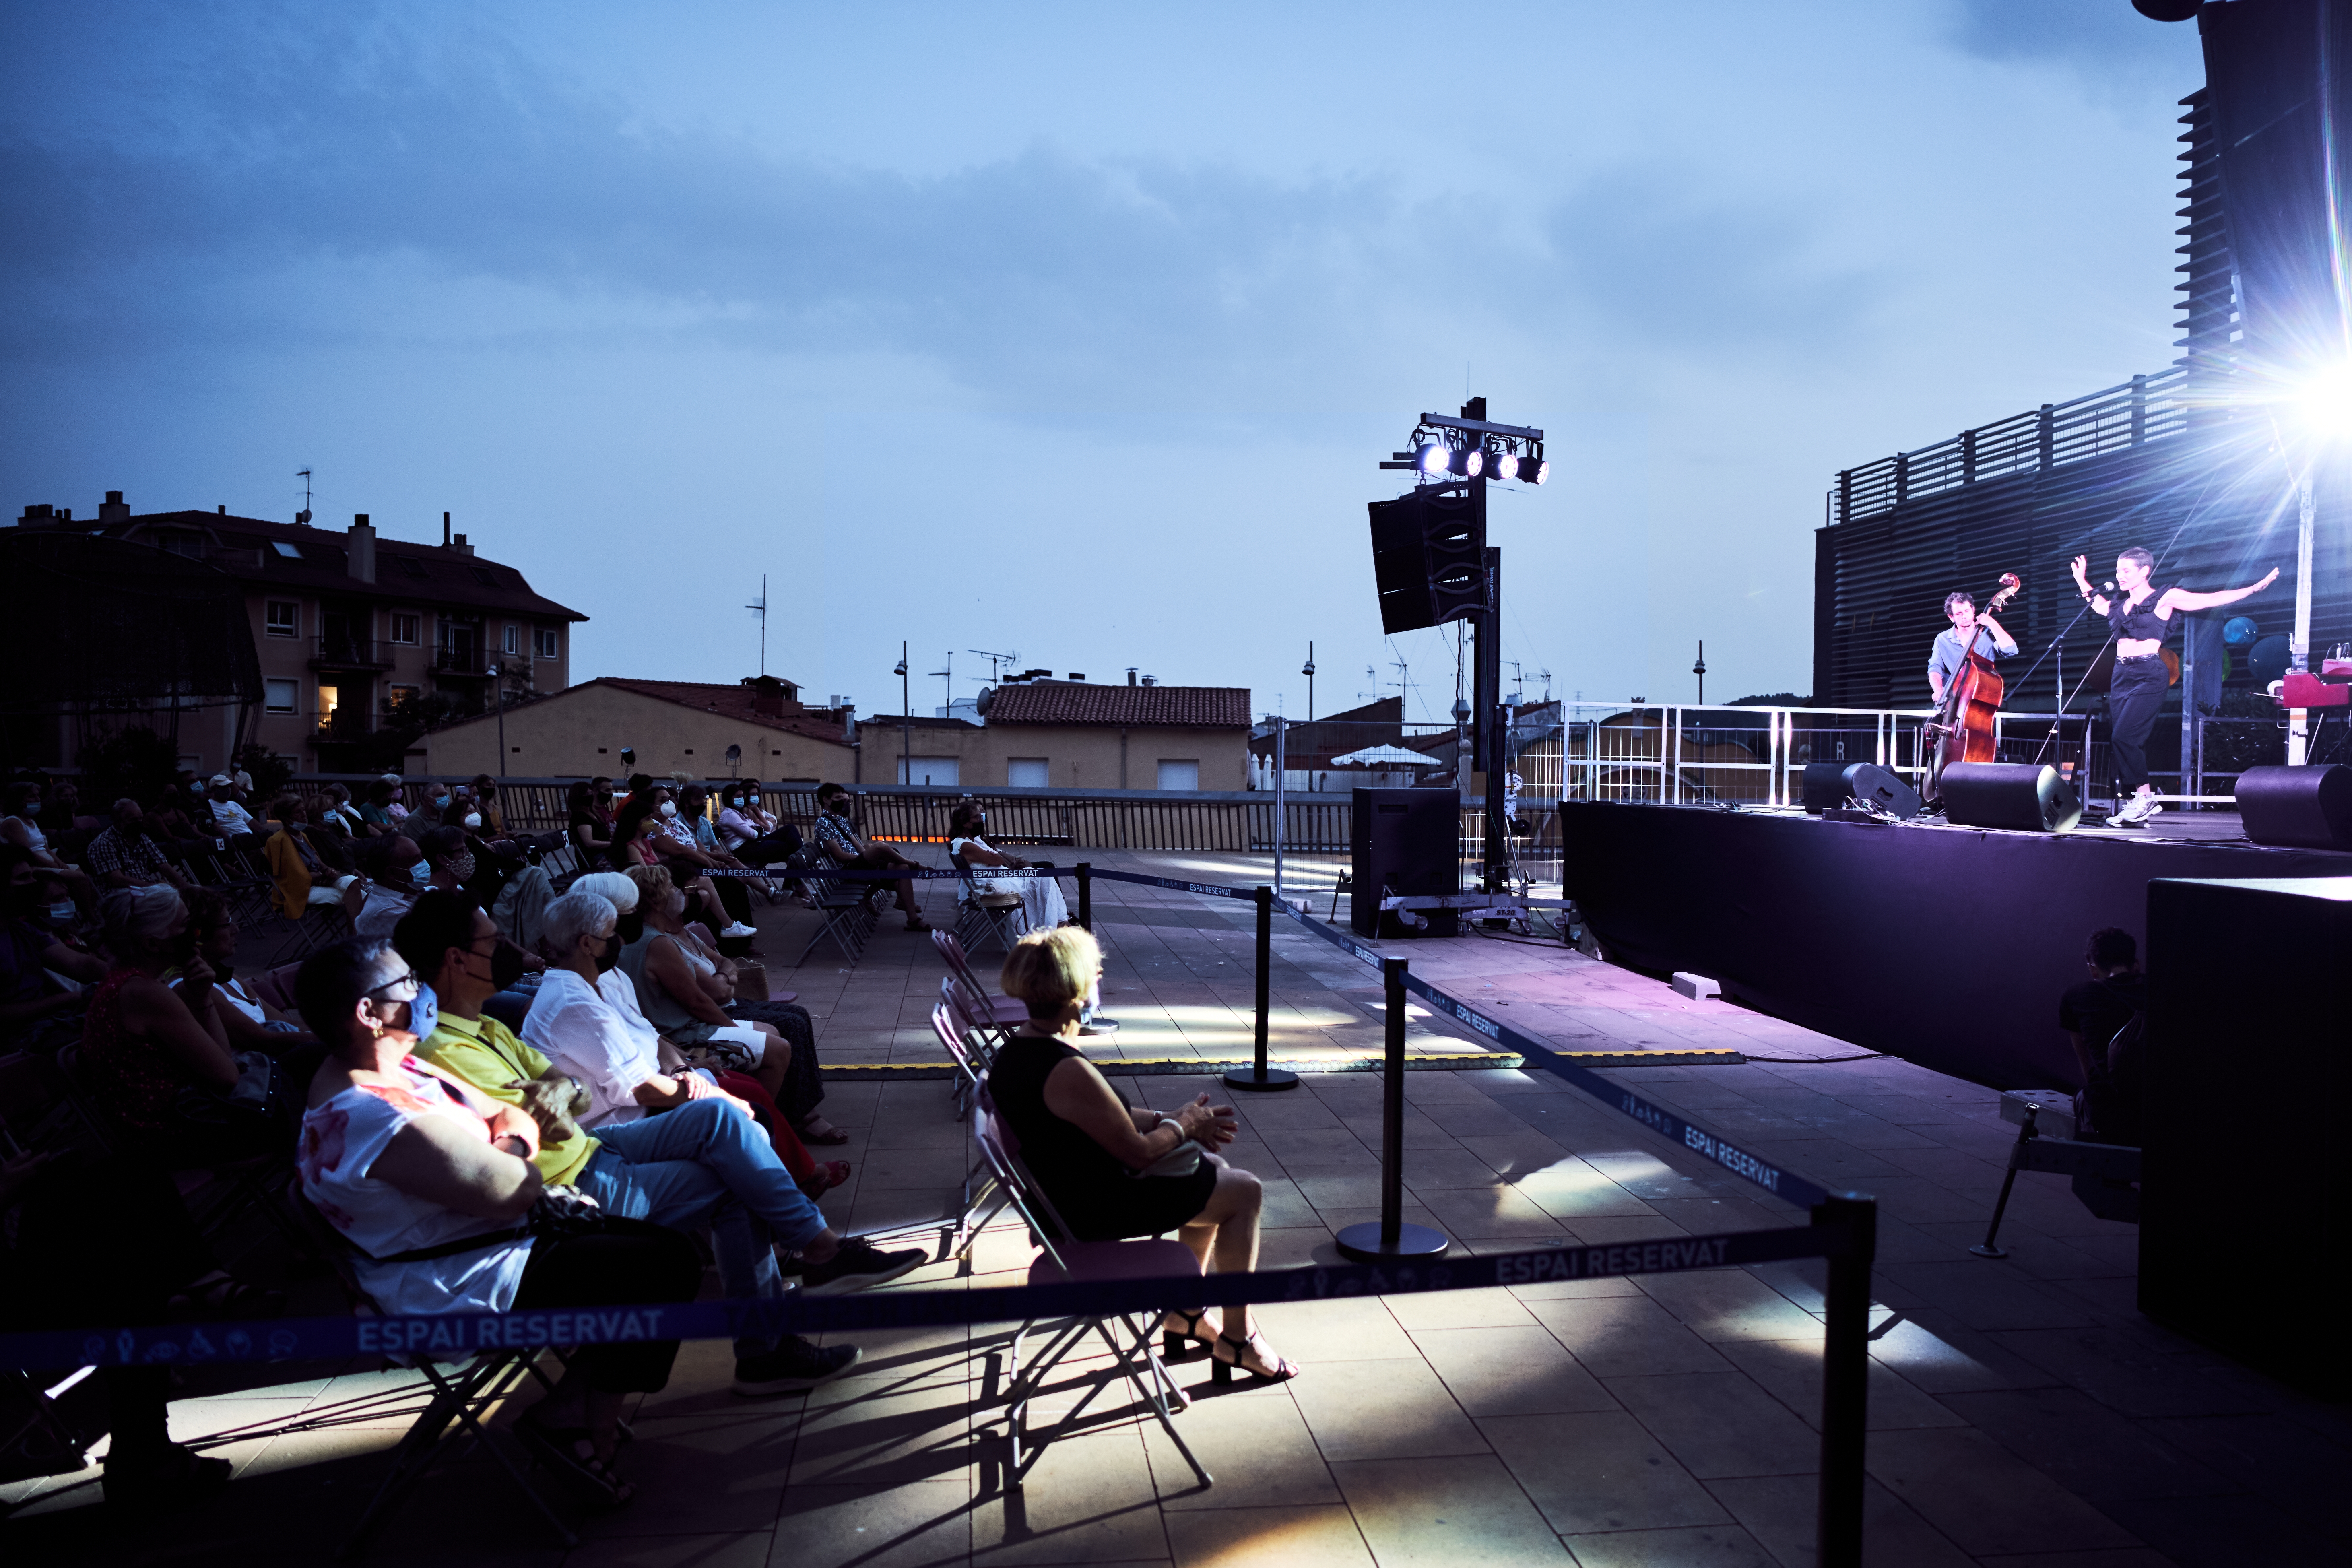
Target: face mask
{"points": [[440, 803], [421, 872], [669, 808], [424, 1012], [736, 801], [62, 913], [610, 955], [196, 792], [840, 807], [462, 867], [506, 965], [473, 819]]}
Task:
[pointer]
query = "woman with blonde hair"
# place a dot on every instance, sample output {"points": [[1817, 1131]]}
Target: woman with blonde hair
{"points": [[1113, 1170]]}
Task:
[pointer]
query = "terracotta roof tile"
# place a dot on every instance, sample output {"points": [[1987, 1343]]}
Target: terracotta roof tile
{"points": [[1160, 706]]}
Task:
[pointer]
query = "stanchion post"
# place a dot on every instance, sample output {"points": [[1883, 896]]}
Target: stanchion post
{"points": [[1263, 1078], [1085, 896], [1845, 1379], [1391, 1238]]}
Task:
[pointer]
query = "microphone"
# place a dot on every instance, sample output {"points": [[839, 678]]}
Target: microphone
{"points": [[2107, 587]]}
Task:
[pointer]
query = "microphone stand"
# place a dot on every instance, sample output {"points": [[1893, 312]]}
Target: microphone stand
{"points": [[2058, 723]]}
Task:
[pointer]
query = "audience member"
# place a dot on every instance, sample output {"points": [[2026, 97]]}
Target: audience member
{"points": [[381, 810], [22, 828], [838, 843], [396, 873], [303, 880], [752, 833], [41, 975], [2098, 1015], [229, 814], [641, 838], [126, 855], [586, 1018], [160, 1058], [697, 1163], [1111, 1170], [173, 823], [62, 813], [404, 1160], [1041, 897], [341, 818], [251, 1024], [588, 820]]}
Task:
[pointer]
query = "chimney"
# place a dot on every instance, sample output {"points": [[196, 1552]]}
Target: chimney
{"points": [[460, 546], [1130, 674], [361, 551], [221, 510], [445, 531], [112, 510], [767, 695], [1150, 680], [848, 723]]}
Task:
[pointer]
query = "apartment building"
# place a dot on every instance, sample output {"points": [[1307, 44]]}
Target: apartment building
{"points": [[350, 629]]}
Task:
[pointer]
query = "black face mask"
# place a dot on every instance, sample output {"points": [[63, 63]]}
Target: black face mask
{"points": [[840, 807], [506, 966], [610, 956]]}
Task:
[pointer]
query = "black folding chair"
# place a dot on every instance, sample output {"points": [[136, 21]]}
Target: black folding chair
{"points": [[843, 914]]}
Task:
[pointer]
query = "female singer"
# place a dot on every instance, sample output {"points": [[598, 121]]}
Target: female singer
{"points": [[2139, 619]]}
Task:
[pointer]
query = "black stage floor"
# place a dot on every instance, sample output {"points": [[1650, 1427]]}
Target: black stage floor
{"points": [[1944, 946]]}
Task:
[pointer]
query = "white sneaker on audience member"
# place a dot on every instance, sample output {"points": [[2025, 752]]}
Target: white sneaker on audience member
{"points": [[740, 928]]}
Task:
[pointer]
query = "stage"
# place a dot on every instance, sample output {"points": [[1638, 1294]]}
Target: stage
{"points": [[1944, 946]]}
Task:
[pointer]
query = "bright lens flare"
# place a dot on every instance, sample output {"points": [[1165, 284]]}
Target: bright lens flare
{"points": [[1434, 459], [2323, 403]]}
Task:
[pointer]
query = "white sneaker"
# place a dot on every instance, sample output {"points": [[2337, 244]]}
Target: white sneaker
{"points": [[2130, 814], [2149, 807], [740, 928]]}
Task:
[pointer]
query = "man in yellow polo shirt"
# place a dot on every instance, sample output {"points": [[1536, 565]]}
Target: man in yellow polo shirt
{"points": [[692, 1165]]}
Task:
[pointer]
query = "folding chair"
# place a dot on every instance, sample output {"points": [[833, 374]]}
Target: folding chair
{"points": [[1134, 1343], [843, 914], [459, 1395], [996, 1009], [999, 918]]}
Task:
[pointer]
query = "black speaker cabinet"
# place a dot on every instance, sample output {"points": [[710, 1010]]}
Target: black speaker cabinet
{"points": [[2245, 1199], [2299, 808], [2027, 796], [1831, 784], [1404, 841]]}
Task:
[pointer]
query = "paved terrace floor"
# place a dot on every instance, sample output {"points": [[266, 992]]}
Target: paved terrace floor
{"points": [[2021, 1412]]}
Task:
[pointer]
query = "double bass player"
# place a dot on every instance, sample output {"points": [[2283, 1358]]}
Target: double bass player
{"points": [[1969, 633]]}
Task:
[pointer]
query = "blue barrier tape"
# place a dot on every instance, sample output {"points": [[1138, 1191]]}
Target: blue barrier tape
{"points": [[1706, 1144], [887, 874], [1210, 889], [287, 1339]]}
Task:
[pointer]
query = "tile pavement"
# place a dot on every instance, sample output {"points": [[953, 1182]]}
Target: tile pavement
{"points": [[2021, 1412]]}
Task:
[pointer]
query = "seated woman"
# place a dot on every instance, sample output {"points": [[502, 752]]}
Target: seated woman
{"points": [[641, 836], [687, 988], [381, 810], [160, 1059], [304, 880], [1041, 897], [1089, 1149], [402, 1158], [752, 833], [589, 813], [252, 1023]]}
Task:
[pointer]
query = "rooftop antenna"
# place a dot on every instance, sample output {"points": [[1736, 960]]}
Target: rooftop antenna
{"points": [[759, 607], [997, 662], [949, 673], [303, 517], [1519, 683], [1545, 676], [1373, 675]]}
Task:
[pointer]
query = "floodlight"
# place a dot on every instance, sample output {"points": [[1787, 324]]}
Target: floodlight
{"points": [[1534, 470], [1467, 461], [1506, 465], [1432, 457]]}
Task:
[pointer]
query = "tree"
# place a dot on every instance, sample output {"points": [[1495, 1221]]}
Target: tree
{"points": [[132, 761]]}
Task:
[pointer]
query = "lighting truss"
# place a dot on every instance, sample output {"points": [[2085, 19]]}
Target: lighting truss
{"points": [[1444, 449]]}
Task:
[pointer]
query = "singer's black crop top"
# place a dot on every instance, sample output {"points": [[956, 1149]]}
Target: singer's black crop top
{"points": [[2140, 623]]}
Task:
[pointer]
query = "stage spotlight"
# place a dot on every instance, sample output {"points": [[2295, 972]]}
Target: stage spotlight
{"points": [[1467, 461], [1433, 458], [1534, 470], [1506, 465]]}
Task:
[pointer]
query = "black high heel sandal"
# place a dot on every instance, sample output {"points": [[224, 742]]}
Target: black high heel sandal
{"points": [[1222, 1371], [1173, 1343]]}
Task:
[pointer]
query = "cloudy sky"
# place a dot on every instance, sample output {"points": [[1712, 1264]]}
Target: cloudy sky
{"points": [[1072, 331]]}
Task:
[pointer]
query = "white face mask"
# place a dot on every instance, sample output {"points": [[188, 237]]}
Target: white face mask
{"points": [[669, 808], [473, 819]]}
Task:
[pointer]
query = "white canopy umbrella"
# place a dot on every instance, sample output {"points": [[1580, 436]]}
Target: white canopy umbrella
{"points": [[1386, 757]]}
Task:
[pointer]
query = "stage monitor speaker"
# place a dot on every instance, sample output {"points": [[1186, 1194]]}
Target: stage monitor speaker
{"points": [[1403, 841], [2029, 797], [1831, 784], [2297, 808]]}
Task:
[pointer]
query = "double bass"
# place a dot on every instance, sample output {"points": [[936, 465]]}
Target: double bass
{"points": [[1964, 730]]}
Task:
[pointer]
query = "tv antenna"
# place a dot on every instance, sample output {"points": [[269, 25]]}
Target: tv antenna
{"points": [[949, 674], [997, 662], [303, 518], [759, 607]]}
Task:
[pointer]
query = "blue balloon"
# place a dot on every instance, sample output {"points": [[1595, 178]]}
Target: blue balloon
{"points": [[2238, 630]]}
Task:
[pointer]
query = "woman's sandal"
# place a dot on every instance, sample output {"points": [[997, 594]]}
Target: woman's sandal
{"points": [[1281, 1371], [828, 1174], [1179, 1343], [917, 922], [558, 1447], [830, 1138]]}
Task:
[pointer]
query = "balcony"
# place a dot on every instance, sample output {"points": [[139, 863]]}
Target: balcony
{"points": [[461, 661], [344, 724], [338, 652]]}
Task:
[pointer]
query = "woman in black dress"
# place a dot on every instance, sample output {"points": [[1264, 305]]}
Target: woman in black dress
{"points": [[1089, 1150]]}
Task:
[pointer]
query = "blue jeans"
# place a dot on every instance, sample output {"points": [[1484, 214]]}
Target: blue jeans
{"points": [[707, 1161]]}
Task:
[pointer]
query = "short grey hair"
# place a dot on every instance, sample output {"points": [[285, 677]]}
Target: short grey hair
{"points": [[574, 915], [617, 886], [138, 917]]}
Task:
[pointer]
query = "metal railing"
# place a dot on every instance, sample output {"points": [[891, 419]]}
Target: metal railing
{"points": [[339, 652], [461, 660], [2145, 408]]}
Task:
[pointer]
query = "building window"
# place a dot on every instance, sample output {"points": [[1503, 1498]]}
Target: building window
{"points": [[408, 628], [400, 695], [547, 644], [291, 552], [279, 696], [1026, 772], [1179, 775], [927, 770], [409, 564], [284, 618], [329, 699], [514, 637]]}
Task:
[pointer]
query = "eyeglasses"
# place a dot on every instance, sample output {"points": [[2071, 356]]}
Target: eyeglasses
{"points": [[408, 979]]}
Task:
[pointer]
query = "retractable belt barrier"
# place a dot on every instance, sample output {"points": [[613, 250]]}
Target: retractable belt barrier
{"points": [[329, 1338], [887, 874]]}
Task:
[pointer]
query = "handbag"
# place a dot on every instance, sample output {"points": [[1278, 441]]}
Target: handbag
{"points": [[1181, 1161], [557, 1211]]}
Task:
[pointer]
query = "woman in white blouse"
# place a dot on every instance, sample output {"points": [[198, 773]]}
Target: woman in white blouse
{"points": [[1041, 897]]}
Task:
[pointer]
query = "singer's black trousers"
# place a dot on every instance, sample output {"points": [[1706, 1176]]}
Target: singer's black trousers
{"points": [[2132, 703]]}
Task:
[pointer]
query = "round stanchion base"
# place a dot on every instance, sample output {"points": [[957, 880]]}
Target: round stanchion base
{"points": [[1247, 1078], [1984, 1251], [1362, 1242]]}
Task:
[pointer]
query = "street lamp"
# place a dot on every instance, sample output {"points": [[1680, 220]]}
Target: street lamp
{"points": [[906, 719], [499, 692], [1307, 669]]}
